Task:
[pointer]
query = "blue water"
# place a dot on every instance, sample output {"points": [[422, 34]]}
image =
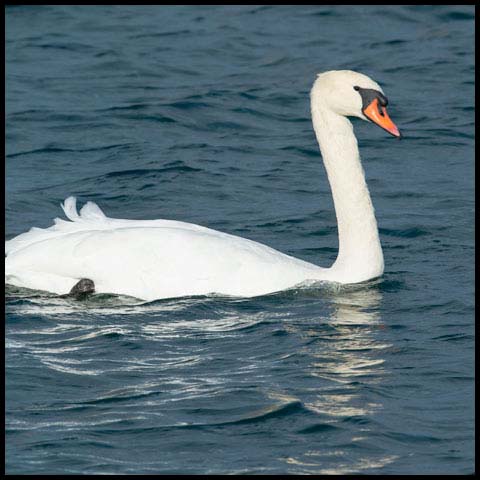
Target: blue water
{"points": [[201, 114]]}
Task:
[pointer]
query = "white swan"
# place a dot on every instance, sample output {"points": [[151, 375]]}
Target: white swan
{"points": [[153, 259]]}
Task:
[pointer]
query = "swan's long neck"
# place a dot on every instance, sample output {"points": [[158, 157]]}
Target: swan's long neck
{"points": [[360, 254]]}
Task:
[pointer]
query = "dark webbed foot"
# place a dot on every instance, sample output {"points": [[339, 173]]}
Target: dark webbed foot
{"points": [[82, 289]]}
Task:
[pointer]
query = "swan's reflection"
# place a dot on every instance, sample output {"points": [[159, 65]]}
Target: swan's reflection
{"points": [[353, 355], [348, 362]]}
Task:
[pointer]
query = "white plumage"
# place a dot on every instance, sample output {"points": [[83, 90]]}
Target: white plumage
{"points": [[152, 259]]}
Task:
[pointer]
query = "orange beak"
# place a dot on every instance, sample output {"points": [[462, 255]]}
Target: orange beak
{"points": [[380, 117]]}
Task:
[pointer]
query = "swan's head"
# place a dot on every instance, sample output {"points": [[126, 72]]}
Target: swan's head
{"points": [[353, 94]]}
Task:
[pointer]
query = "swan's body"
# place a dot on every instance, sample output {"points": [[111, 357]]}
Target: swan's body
{"points": [[155, 259]]}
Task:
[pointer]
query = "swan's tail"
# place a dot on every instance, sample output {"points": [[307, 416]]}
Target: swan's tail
{"points": [[90, 214], [69, 207]]}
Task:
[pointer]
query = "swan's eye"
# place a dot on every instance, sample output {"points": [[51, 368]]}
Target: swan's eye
{"points": [[356, 87]]}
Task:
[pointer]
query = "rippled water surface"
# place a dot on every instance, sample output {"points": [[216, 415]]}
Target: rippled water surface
{"points": [[202, 114]]}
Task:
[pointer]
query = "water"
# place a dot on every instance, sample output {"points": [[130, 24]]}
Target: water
{"points": [[202, 114]]}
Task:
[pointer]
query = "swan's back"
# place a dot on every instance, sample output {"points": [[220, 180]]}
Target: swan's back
{"points": [[147, 259], [90, 217]]}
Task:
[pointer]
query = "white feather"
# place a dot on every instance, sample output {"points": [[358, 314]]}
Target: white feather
{"points": [[153, 259]]}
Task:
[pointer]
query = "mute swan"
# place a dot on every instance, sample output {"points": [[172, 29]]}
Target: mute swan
{"points": [[153, 259]]}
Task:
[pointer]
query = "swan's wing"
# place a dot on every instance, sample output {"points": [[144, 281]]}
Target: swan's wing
{"points": [[151, 263], [147, 259], [90, 218]]}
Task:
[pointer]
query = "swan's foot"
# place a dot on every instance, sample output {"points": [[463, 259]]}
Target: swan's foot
{"points": [[82, 289]]}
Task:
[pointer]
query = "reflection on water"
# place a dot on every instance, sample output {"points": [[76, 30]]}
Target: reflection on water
{"points": [[348, 360], [178, 357], [355, 316], [342, 466]]}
